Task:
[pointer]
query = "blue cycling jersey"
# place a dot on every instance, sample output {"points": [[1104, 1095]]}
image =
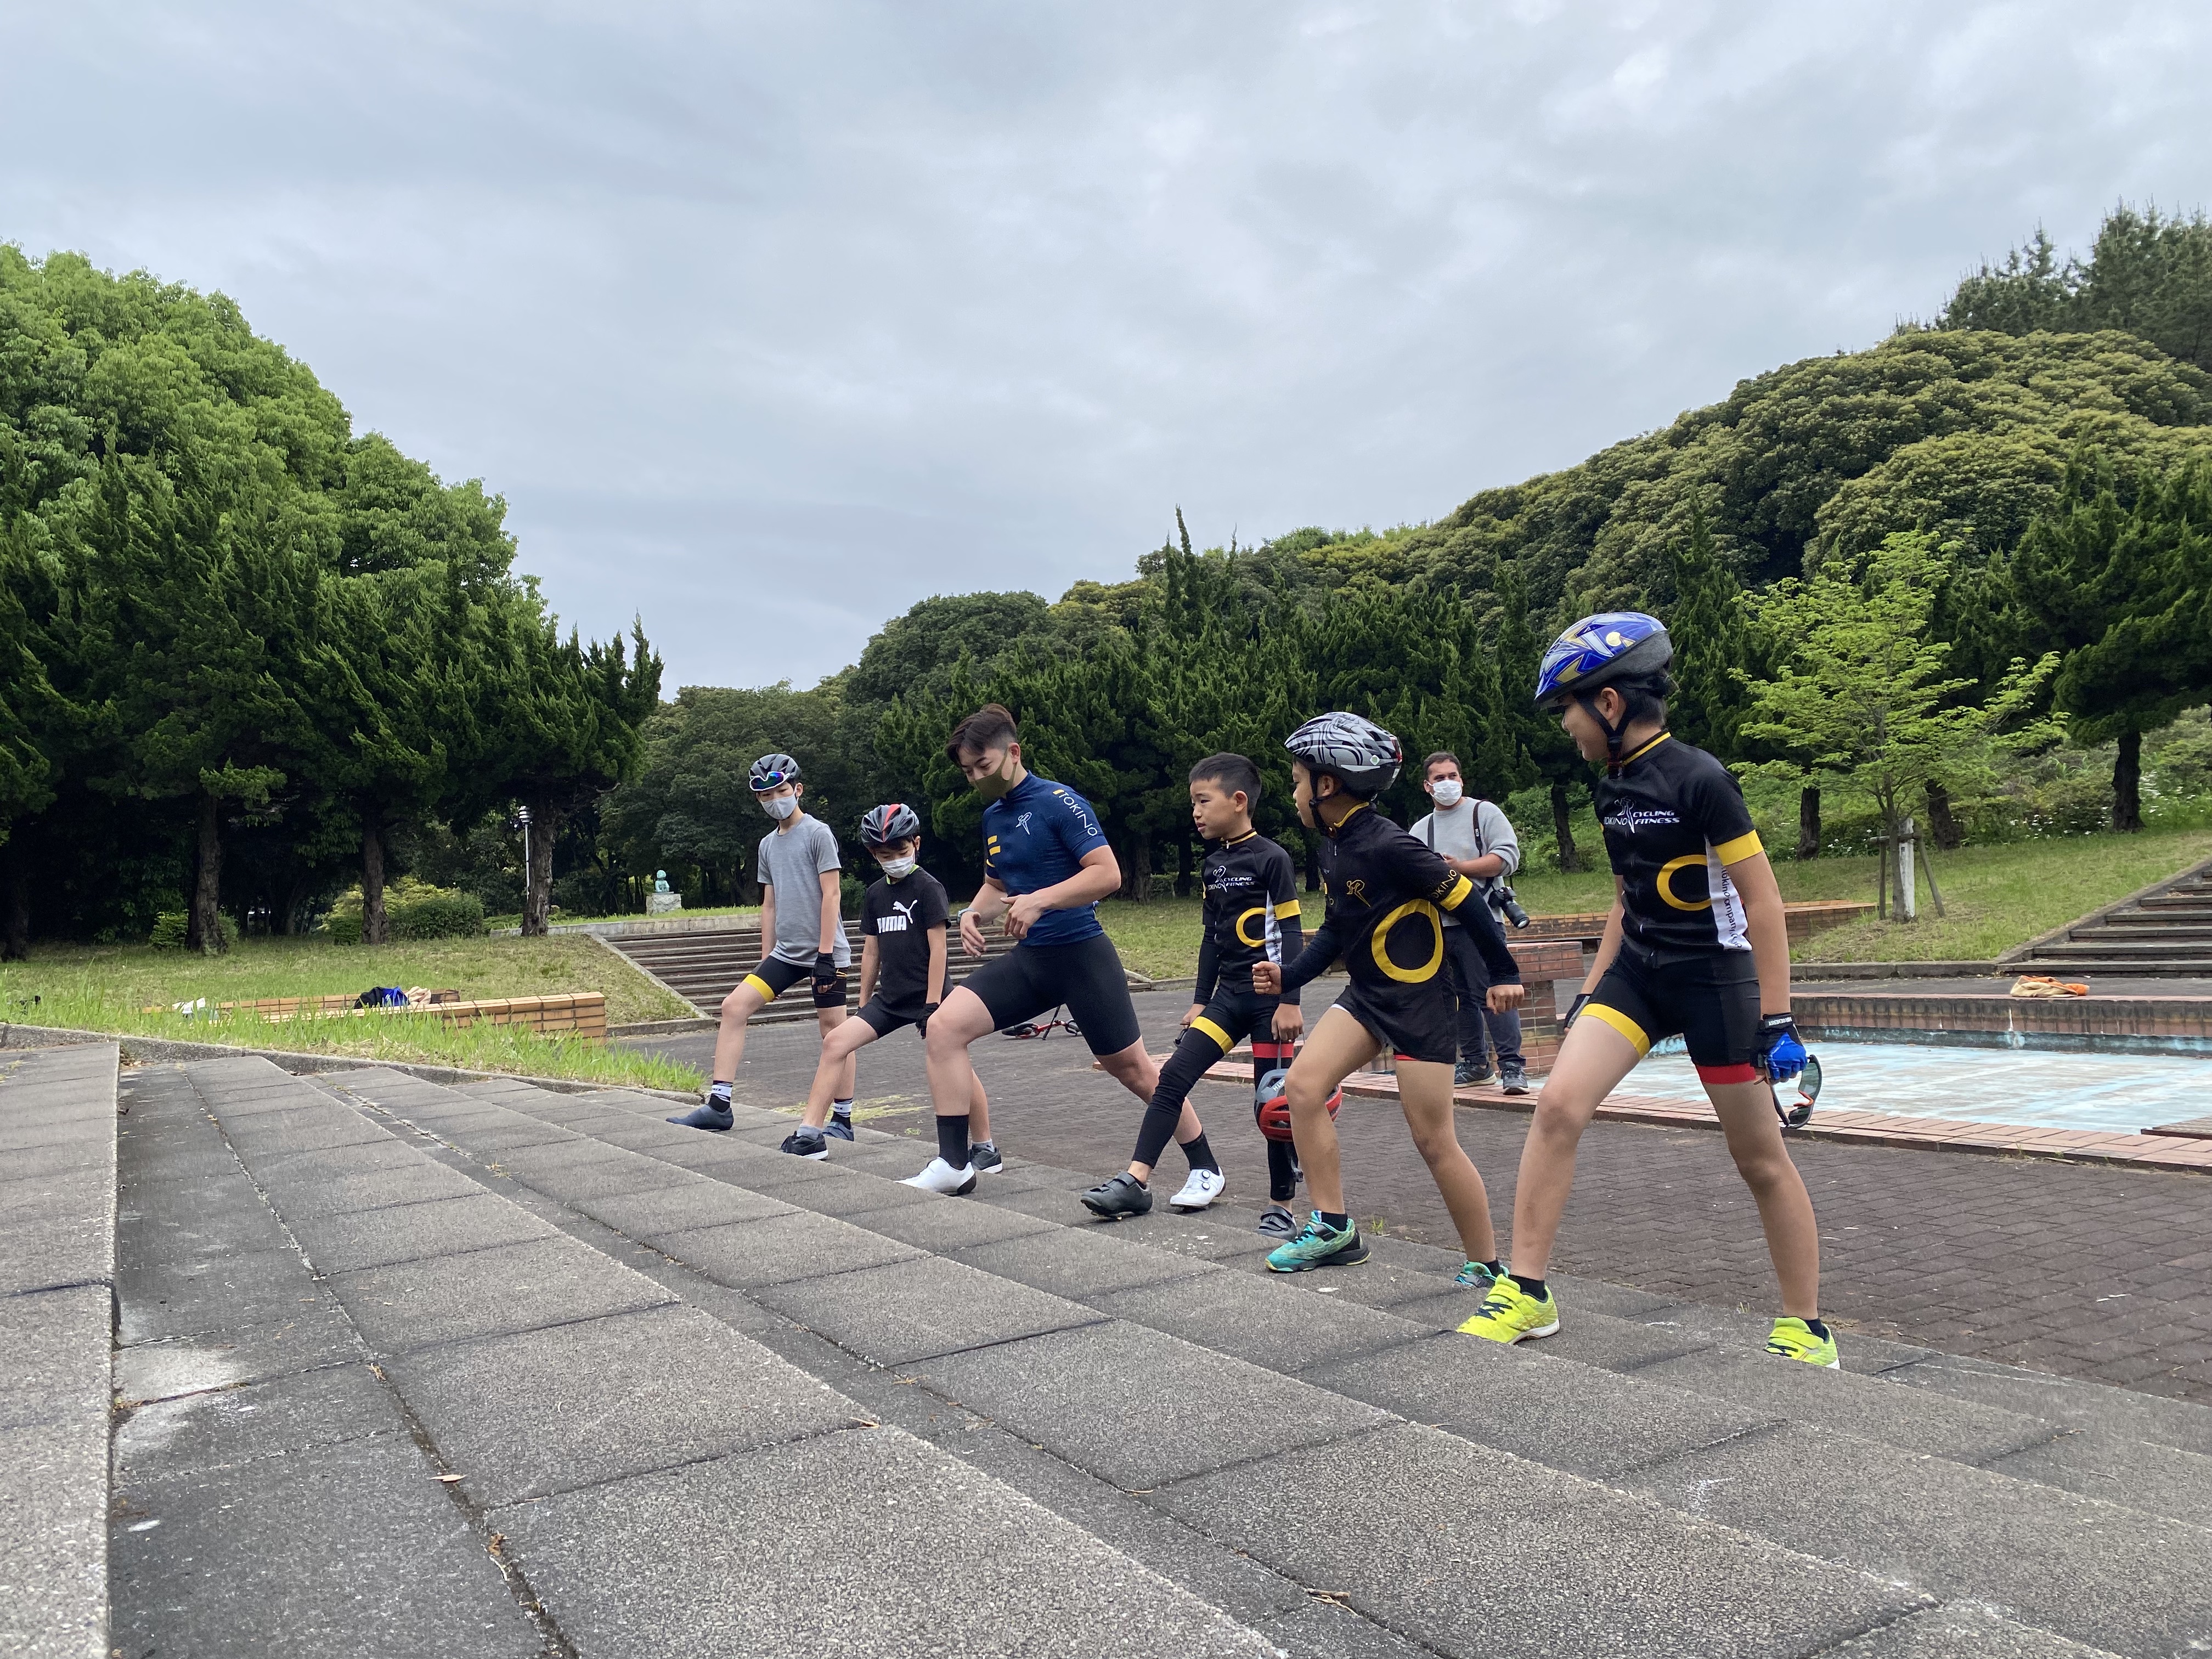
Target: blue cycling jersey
{"points": [[1035, 836]]}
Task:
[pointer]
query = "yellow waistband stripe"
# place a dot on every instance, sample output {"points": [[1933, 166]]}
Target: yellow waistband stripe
{"points": [[1736, 851], [766, 991], [1620, 1023], [1202, 1023]]}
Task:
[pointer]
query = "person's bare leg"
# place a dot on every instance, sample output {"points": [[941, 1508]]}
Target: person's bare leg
{"points": [[830, 1019], [1592, 1062], [979, 1114], [1424, 1095], [1338, 1046], [1785, 1208], [839, 1046], [953, 1085], [1137, 1072], [740, 1006]]}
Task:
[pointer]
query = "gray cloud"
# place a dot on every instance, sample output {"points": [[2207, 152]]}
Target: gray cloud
{"points": [[770, 320]]}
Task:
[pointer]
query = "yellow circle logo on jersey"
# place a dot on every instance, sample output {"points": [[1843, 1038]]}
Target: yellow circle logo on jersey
{"points": [[1666, 882], [1261, 911], [1427, 970]]}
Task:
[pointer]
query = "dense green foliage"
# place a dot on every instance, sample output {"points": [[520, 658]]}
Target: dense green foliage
{"points": [[2149, 275], [243, 648]]}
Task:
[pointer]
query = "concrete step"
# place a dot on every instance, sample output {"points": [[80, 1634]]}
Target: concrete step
{"points": [[2092, 959], [57, 1135], [1679, 1387], [549, 1451]]}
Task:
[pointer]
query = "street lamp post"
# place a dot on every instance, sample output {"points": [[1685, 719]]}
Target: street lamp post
{"points": [[522, 818]]}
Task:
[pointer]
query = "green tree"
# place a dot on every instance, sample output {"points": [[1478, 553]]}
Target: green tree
{"points": [[1861, 686], [1547, 751], [2148, 274], [2116, 577]]}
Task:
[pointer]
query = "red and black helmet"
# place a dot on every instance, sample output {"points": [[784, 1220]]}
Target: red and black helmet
{"points": [[894, 821]]}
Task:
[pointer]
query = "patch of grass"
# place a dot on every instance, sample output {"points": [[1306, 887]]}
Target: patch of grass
{"points": [[1997, 896], [106, 987]]}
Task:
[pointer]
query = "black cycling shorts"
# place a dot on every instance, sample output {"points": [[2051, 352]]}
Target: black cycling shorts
{"points": [[1709, 998], [883, 1020], [1418, 1027], [775, 976], [1232, 1016], [1085, 977]]}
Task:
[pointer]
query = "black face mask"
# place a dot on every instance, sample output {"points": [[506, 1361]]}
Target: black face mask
{"points": [[994, 784]]}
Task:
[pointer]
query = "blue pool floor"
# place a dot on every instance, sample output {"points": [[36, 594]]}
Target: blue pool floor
{"points": [[1991, 1085]]}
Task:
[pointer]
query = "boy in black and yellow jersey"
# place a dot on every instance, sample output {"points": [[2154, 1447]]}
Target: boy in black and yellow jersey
{"points": [[1387, 894], [1697, 946], [1251, 917]]}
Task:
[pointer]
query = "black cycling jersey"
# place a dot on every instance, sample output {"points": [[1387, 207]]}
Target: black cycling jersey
{"points": [[1674, 820], [1252, 915], [1387, 894]]}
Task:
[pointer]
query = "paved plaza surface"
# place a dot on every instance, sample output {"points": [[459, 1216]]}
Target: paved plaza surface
{"points": [[490, 1369], [2086, 1271]]}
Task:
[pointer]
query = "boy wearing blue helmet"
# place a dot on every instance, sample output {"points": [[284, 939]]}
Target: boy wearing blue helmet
{"points": [[1696, 945]]}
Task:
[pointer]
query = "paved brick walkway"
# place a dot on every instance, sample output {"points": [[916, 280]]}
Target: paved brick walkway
{"points": [[2091, 1272]]}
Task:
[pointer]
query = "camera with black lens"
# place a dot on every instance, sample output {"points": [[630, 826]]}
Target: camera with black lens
{"points": [[1501, 898]]}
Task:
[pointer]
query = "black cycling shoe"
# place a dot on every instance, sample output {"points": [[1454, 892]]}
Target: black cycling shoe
{"points": [[1276, 1221], [709, 1116], [984, 1158], [806, 1142], [1124, 1195]]}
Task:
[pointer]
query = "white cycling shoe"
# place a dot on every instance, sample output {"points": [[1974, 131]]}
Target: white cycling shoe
{"points": [[939, 1176], [1200, 1190]]}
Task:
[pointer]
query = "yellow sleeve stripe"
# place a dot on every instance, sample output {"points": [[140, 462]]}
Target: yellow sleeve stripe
{"points": [[1736, 851], [1620, 1023], [1457, 897], [1288, 909], [1202, 1023]]}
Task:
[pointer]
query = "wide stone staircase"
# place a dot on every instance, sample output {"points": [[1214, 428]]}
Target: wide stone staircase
{"points": [[2165, 932], [704, 965], [405, 1369]]}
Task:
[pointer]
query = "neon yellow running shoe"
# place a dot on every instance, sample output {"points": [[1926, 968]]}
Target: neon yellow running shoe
{"points": [[1509, 1314], [1793, 1338]]}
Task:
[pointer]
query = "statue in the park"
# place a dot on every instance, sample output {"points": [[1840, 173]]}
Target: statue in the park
{"points": [[660, 881], [661, 901]]}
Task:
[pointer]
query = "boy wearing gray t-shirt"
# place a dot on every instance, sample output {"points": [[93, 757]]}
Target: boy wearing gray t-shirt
{"points": [[804, 931]]}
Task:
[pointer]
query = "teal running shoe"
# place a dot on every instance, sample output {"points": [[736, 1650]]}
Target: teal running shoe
{"points": [[1319, 1245]]}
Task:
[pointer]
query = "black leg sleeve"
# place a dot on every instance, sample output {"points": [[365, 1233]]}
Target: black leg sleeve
{"points": [[1468, 983], [1196, 1052]]}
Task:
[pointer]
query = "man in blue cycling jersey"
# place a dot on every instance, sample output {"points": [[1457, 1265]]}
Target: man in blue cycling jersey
{"points": [[1046, 865]]}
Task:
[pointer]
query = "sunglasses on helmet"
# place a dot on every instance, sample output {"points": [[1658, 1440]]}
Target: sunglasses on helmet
{"points": [[764, 781]]}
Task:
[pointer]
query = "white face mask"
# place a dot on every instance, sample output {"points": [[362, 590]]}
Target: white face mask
{"points": [[780, 807], [1445, 792], [898, 869]]}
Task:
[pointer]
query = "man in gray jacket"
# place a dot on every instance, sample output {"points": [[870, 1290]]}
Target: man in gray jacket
{"points": [[1477, 840]]}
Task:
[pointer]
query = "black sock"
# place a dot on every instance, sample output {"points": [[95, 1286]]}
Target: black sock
{"points": [[1494, 1267], [1282, 1173], [1338, 1222], [952, 1140], [1533, 1286], [718, 1094], [1201, 1155], [1817, 1328]]}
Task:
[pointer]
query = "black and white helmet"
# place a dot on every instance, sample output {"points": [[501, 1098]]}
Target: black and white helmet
{"points": [[892, 822], [1360, 753], [773, 772]]}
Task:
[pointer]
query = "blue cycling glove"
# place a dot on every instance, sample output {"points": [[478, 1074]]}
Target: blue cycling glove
{"points": [[1781, 1055]]}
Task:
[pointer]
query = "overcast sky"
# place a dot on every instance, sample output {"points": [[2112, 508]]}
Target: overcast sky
{"points": [[768, 321]]}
